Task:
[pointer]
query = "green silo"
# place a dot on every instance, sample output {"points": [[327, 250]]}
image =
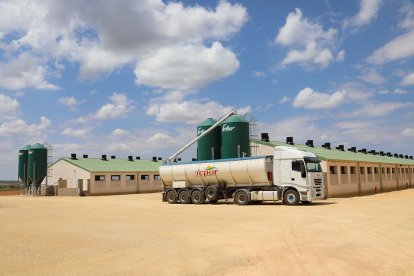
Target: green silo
{"points": [[37, 164], [23, 161], [208, 147], [235, 138]]}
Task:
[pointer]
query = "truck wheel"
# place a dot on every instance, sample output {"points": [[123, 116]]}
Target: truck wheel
{"points": [[197, 197], [241, 197], [212, 194], [184, 197], [172, 197], [291, 197]]}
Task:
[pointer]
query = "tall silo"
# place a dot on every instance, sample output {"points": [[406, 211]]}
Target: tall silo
{"points": [[208, 147], [37, 164], [235, 138], [23, 164]]}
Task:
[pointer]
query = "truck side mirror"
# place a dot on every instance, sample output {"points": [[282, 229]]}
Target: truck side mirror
{"points": [[302, 169]]}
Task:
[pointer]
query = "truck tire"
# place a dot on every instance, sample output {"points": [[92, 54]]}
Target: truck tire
{"points": [[212, 194], [184, 197], [241, 197], [197, 197], [171, 197], [291, 197]]}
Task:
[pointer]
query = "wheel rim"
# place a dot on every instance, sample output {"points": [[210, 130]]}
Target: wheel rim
{"points": [[291, 198]]}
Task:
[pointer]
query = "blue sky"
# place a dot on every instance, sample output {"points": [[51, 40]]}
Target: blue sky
{"points": [[136, 77]]}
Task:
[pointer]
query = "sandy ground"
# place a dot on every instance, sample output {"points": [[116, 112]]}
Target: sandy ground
{"points": [[140, 235]]}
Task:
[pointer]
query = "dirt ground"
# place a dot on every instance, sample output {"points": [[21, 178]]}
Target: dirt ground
{"points": [[140, 235]]}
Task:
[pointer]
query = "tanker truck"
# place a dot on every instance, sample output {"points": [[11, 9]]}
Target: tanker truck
{"points": [[290, 175]]}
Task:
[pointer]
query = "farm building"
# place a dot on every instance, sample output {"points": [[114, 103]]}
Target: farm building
{"points": [[102, 176], [349, 172]]}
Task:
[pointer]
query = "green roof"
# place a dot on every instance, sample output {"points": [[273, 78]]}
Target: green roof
{"points": [[113, 165], [334, 154]]}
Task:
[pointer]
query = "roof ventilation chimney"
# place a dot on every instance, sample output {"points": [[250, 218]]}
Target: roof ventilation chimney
{"points": [[309, 143], [159, 158], [401, 155], [73, 156], [179, 159], [265, 137], [130, 158], [411, 157], [113, 156], [138, 158], [104, 157], [372, 152], [363, 151], [327, 145], [396, 155], [340, 147], [193, 159], [353, 149], [85, 156], [406, 157], [154, 159], [289, 141], [381, 153]]}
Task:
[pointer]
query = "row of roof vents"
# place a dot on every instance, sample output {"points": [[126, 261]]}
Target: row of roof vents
{"points": [[130, 157], [309, 143]]}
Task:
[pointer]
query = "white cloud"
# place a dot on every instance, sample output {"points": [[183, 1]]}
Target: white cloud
{"points": [[100, 40], [396, 91], [367, 13], [186, 67], [9, 107], [189, 112], [398, 48], [71, 102], [310, 99], [22, 72], [78, 133], [120, 132], [119, 107], [408, 80], [408, 16], [283, 100], [258, 74], [373, 77], [18, 127], [408, 132], [311, 44], [378, 110]]}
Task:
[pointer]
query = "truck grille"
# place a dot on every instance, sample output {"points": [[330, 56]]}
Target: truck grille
{"points": [[318, 186]]}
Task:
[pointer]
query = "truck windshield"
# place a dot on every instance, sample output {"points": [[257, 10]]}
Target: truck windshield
{"points": [[313, 167]]}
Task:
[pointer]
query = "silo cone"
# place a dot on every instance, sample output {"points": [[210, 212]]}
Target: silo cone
{"points": [[235, 138], [208, 147]]}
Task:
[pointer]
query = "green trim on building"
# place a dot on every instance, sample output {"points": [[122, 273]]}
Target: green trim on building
{"points": [[334, 154], [113, 165]]}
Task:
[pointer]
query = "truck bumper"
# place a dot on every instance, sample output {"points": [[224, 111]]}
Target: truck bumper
{"points": [[312, 195]]}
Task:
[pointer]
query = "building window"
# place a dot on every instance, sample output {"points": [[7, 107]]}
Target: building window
{"points": [[157, 177], [353, 170], [393, 170], [362, 170], [99, 177], [130, 177], [406, 170], [115, 177], [343, 170], [332, 169], [369, 170], [144, 177], [375, 170], [382, 170], [388, 170]]}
